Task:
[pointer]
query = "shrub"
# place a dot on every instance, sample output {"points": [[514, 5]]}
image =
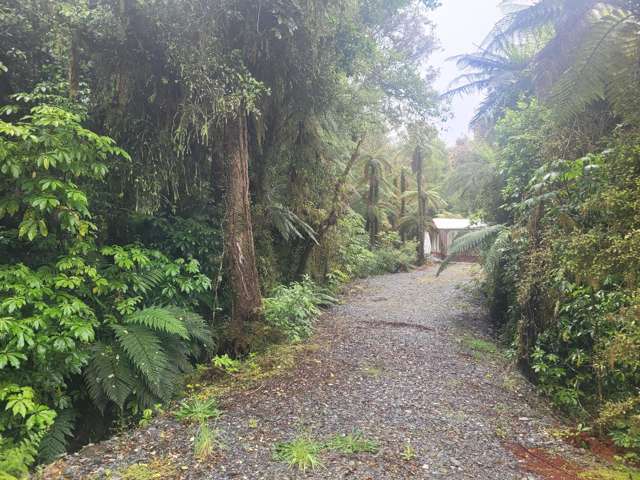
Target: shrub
{"points": [[356, 260], [291, 309], [391, 255], [117, 316]]}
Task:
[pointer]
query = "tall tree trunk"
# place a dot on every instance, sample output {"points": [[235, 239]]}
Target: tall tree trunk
{"points": [[73, 74], [238, 236], [418, 161], [371, 215], [403, 203]]}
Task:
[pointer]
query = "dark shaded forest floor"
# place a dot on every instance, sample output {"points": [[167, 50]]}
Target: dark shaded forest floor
{"points": [[407, 360]]}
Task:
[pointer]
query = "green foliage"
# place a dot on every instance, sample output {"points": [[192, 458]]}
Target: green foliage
{"points": [[198, 410], [388, 255], [301, 453], [54, 443], [292, 309], [144, 359], [79, 309], [41, 158], [206, 441], [473, 241], [226, 363], [352, 443], [391, 255], [561, 279]]}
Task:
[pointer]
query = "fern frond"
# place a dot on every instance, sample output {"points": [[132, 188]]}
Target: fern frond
{"points": [[54, 443], [178, 353], [109, 376], [158, 319], [196, 326], [143, 348], [605, 65], [145, 281], [473, 240], [493, 256], [290, 225]]}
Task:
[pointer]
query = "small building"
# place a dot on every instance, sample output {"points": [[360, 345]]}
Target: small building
{"points": [[446, 231]]}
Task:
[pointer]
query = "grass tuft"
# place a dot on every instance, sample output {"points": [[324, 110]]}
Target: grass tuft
{"points": [[301, 453], [480, 347], [206, 441], [198, 410], [352, 443]]}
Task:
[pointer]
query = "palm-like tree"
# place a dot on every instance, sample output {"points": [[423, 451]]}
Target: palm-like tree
{"points": [[593, 53], [375, 178], [501, 72]]}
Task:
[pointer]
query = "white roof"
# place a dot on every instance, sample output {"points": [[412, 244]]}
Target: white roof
{"points": [[455, 224]]}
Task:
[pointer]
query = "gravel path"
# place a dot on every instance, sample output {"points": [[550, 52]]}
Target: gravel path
{"points": [[399, 361]]}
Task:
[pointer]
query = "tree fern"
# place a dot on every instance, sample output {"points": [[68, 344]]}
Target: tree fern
{"points": [[605, 66], [160, 320], [471, 241]]}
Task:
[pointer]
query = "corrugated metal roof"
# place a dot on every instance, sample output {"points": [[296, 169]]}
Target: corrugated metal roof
{"points": [[455, 224]]}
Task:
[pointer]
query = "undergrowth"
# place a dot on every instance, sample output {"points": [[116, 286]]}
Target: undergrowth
{"points": [[304, 452]]}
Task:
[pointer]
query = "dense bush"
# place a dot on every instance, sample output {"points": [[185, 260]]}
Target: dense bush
{"points": [[116, 315], [356, 259], [563, 283], [292, 309]]}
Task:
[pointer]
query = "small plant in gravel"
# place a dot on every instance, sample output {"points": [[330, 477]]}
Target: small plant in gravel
{"points": [[374, 371], [301, 453], [352, 443], [149, 413], [198, 410], [408, 453], [207, 440]]}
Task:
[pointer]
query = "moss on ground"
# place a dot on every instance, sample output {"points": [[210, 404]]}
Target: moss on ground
{"points": [[157, 469], [273, 361], [612, 473]]}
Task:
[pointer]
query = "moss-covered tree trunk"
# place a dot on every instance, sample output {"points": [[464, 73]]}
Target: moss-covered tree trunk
{"points": [[238, 235]]}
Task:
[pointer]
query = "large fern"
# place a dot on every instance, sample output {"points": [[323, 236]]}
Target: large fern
{"points": [[198, 330], [160, 320], [151, 349], [144, 349], [109, 376], [471, 241], [54, 443], [605, 67]]}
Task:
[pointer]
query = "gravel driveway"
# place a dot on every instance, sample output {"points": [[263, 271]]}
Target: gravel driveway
{"points": [[405, 360]]}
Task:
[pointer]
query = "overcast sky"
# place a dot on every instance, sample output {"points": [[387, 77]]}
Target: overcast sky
{"points": [[461, 26]]}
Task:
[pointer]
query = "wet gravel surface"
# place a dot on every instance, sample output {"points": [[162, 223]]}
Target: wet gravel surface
{"points": [[400, 362]]}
